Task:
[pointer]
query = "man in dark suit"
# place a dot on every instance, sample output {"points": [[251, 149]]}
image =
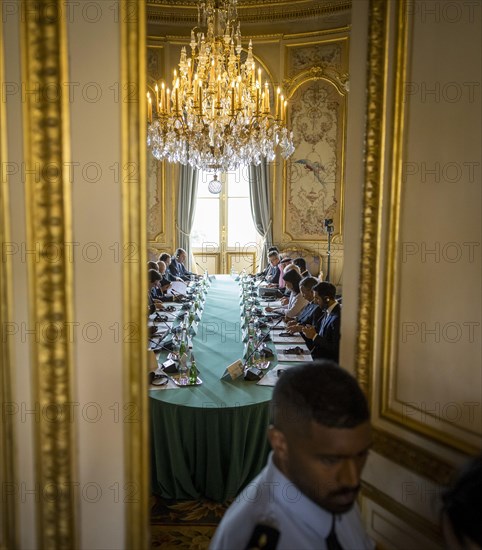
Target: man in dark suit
{"points": [[324, 343], [176, 267], [272, 276], [166, 258], [312, 313], [153, 302], [262, 274]]}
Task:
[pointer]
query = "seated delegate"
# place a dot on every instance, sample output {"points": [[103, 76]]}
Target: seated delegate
{"points": [[262, 274], [296, 300], [324, 343], [312, 313], [166, 258], [272, 276], [177, 268]]}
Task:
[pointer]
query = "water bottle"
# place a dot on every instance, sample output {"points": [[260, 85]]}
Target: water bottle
{"points": [[193, 372]]}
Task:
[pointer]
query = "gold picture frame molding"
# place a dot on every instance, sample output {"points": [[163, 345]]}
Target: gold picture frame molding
{"points": [[391, 300], [8, 457], [46, 131], [134, 223], [386, 443]]}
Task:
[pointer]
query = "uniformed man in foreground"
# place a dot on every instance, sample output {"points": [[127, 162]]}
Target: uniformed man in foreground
{"points": [[305, 497]]}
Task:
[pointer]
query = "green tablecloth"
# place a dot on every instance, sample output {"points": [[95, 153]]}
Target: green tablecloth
{"points": [[210, 440]]}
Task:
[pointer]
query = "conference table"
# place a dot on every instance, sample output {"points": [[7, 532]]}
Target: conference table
{"points": [[210, 440]]}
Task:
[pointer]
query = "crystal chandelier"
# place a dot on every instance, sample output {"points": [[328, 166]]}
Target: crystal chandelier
{"points": [[218, 114]]}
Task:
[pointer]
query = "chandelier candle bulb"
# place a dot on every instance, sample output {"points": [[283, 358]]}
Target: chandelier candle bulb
{"points": [[157, 96]]}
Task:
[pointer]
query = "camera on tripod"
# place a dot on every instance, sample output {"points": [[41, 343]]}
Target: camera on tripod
{"points": [[329, 227]]}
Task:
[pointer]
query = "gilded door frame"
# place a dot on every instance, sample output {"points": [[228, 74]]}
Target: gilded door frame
{"points": [[395, 448]]}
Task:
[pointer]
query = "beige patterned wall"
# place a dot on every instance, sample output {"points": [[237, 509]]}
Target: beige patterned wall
{"points": [[311, 183], [313, 191]]}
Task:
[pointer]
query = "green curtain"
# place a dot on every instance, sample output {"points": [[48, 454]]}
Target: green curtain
{"points": [[260, 199], [186, 208]]}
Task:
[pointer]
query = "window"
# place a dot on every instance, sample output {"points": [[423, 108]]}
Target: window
{"points": [[223, 225]]}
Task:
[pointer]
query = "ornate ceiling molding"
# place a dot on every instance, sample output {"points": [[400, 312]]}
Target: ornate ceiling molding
{"points": [[181, 12]]}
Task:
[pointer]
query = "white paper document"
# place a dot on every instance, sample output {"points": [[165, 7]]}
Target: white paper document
{"points": [[294, 358], [271, 377], [264, 303], [292, 339], [280, 349], [179, 287]]}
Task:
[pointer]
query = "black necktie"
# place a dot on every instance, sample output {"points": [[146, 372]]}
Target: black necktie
{"points": [[332, 542]]}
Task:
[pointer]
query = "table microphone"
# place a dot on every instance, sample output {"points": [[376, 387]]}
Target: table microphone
{"points": [[158, 344], [172, 314], [178, 294], [262, 341], [159, 319], [246, 268], [210, 277], [203, 268]]}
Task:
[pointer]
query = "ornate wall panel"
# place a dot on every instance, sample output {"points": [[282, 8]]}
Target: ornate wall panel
{"points": [[422, 382], [393, 525], [314, 175], [156, 215], [312, 180], [155, 60], [327, 54], [425, 339], [157, 207]]}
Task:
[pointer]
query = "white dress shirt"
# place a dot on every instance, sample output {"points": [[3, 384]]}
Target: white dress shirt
{"points": [[273, 500], [295, 305]]}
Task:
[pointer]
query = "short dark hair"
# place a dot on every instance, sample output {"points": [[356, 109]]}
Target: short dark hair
{"points": [[319, 391], [179, 251], [154, 275], [164, 256], [292, 276], [309, 282], [300, 262], [462, 503], [273, 249], [152, 265], [325, 289]]}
